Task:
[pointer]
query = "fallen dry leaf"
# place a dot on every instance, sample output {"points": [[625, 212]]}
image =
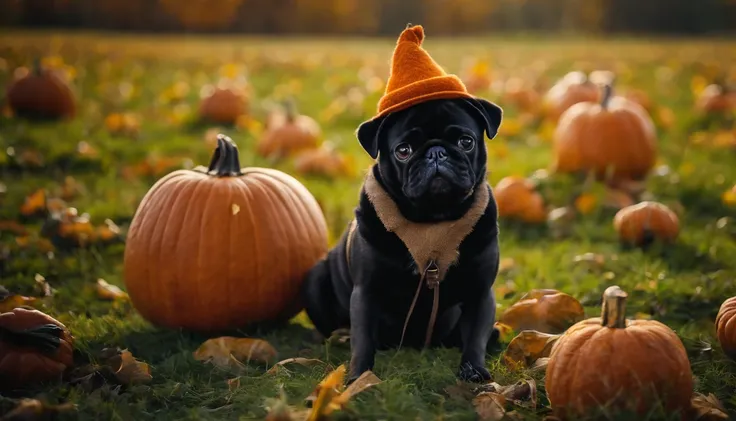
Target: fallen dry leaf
{"points": [[33, 409], [543, 310], [540, 364], [340, 337], [527, 347], [132, 371], [490, 406], [519, 392], [505, 332], [329, 395], [366, 380], [14, 301], [229, 352], [233, 384], [707, 408], [279, 410], [107, 291], [306, 362]]}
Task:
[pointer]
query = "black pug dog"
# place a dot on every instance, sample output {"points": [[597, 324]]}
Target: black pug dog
{"points": [[431, 172]]}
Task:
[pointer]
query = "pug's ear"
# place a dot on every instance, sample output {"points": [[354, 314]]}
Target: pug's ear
{"points": [[367, 134], [492, 115]]}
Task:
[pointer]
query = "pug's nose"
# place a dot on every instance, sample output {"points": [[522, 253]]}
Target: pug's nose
{"points": [[436, 153]]}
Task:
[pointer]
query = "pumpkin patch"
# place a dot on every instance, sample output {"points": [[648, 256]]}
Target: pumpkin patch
{"points": [[137, 284]]}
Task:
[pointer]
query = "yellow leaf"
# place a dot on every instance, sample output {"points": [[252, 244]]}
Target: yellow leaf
{"points": [[109, 292], [14, 301], [506, 332], [228, 352], [544, 310], [729, 197], [586, 203], [328, 389], [132, 371], [527, 347], [365, 381]]}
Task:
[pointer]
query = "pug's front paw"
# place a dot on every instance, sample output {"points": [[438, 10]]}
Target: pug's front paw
{"points": [[473, 373]]}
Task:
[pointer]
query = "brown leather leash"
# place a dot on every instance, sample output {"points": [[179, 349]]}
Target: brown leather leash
{"points": [[430, 275]]}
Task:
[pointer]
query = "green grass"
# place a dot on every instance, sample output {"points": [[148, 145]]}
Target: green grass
{"points": [[681, 285]]}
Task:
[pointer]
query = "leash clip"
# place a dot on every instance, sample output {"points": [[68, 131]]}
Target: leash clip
{"points": [[432, 275]]}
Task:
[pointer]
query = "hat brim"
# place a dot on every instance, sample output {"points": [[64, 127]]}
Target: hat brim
{"points": [[422, 98]]}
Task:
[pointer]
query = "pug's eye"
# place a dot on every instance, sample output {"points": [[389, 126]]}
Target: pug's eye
{"points": [[403, 152], [466, 143]]}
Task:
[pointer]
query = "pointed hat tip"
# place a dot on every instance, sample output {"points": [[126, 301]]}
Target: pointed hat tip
{"points": [[412, 33]]}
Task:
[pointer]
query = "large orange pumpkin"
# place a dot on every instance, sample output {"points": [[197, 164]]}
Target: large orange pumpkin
{"points": [[288, 133], [40, 93], [222, 247], [615, 139], [34, 348], [223, 104], [517, 199], [645, 222], [571, 89], [726, 327], [618, 364]]}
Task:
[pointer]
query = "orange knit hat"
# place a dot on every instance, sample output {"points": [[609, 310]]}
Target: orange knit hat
{"points": [[415, 77]]}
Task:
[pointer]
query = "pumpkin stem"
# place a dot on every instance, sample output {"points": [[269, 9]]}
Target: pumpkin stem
{"points": [[37, 68], [291, 111], [607, 94], [45, 338], [225, 161], [613, 311]]}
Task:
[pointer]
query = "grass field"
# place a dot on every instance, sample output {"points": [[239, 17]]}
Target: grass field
{"points": [[338, 82]]}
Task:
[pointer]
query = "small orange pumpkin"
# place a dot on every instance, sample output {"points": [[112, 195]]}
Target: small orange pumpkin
{"points": [[615, 139], [571, 89], [288, 133], [517, 93], [726, 327], [34, 348], [40, 93], [325, 160], [644, 222], [222, 247], [223, 104], [618, 364], [716, 99], [516, 198]]}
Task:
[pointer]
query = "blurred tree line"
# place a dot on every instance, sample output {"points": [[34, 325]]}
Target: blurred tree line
{"points": [[377, 17]]}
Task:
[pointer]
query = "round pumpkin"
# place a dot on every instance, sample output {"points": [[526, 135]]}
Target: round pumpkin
{"points": [[617, 364], [34, 348], [40, 93], [222, 247], [615, 139], [517, 199], [325, 161], [645, 222], [288, 133], [716, 99], [223, 104], [726, 327], [571, 89], [523, 97]]}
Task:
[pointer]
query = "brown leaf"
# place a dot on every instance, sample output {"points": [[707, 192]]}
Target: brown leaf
{"points": [[527, 347], [326, 391], [523, 390], [229, 352], [14, 301], [540, 364], [490, 406], [107, 291], [306, 362], [132, 371], [43, 286], [33, 409], [365, 381], [544, 310], [339, 336], [707, 408]]}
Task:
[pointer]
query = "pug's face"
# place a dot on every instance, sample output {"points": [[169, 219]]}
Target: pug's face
{"points": [[432, 156]]}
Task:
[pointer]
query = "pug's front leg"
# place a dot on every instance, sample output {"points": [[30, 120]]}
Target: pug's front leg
{"points": [[476, 328], [363, 324]]}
